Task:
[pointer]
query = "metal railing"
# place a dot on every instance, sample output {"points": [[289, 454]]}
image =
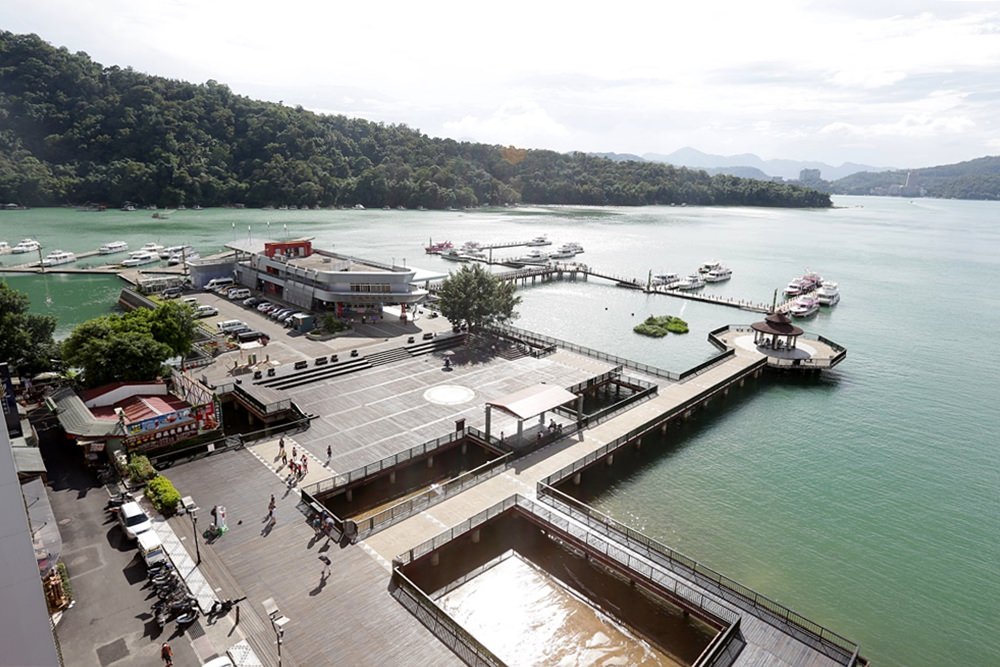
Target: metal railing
{"points": [[629, 437], [724, 649], [714, 337], [830, 643], [441, 625], [343, 479], [431, 496], [541, 340]]}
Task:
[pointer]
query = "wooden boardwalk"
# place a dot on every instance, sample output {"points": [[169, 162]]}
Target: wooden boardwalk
{"points": [[350, 618]]}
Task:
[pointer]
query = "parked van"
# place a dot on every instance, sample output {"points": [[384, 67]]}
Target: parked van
{"points": [[205, 311], [249, 336], [217, 283], [151, 548], [228, 325], [238, 293]]}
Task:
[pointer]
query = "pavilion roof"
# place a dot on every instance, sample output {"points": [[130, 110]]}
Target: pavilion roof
{"points": [[533, 401], [778, 324]]}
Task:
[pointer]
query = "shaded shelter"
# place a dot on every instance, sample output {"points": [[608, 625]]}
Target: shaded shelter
{"points": [[776, 331], [530, 402]]}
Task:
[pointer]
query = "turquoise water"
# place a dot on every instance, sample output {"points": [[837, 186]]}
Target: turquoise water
{"points": [[867, 501]]}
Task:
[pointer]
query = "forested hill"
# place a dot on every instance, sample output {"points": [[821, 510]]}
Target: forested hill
{"points": [[974, 179], [72, 131]]}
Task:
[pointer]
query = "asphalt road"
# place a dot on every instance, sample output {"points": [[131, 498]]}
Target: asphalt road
{"points": [[110, 622]]}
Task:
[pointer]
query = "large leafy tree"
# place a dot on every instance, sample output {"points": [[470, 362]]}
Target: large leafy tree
{"points": [[127, 347], [475, 297], [74, 130], [25, 338]]}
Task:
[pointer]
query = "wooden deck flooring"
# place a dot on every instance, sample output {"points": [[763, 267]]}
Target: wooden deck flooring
{"points": [[351, 618]]}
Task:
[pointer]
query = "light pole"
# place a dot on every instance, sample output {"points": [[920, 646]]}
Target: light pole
{"points": [[278, 621], [194, 525]]}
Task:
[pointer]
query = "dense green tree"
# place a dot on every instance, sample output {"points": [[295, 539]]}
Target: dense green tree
{"points": [[475, 297], [74, 131], [132, 346], [25, 338]]}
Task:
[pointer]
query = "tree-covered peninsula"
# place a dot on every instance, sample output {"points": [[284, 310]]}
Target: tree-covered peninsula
{"points": [[73, 131]]}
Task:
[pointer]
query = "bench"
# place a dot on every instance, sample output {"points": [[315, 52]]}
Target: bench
{"points": [[299, 365], [320, 361]]}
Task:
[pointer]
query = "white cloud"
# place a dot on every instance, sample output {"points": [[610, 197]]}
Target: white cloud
{"points": [[784, 78], [517, 122]]}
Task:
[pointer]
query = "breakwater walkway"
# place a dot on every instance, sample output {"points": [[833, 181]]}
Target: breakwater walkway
{"points": [[543, 273]]}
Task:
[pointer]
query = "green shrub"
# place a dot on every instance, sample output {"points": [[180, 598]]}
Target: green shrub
{"points": [[64, 575], [658, 327], [164, 496], [332, 325], [140, 469]]}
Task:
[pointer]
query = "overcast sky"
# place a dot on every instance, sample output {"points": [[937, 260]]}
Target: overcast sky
{"points": [[904, 83]]}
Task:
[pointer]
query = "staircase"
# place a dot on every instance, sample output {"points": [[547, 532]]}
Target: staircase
{"points": [[388, 356]]}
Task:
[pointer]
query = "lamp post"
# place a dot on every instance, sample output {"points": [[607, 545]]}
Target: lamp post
{"points": [[194, 525]]}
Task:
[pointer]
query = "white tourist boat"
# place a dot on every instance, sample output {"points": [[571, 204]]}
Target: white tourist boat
{"points": [[183, 257], [454, 255], [26, 245], [539, 240], [4, 248], [708, 267], [692, 282], [165, 253], [804, 306], [534, 256], [57, 257], [665, 279], [828, 293], [154, 248], [112, 248], [794, 288], [566, 250], [718, 274], [141, 257]]}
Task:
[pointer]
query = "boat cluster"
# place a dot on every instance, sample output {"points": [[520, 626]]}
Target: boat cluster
{"points": [[811, 292], [474, 251], [709, 272], [154, 252]]}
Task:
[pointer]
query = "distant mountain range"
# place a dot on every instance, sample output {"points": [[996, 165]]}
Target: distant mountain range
{"points": [[973, 179], [788, 169]]}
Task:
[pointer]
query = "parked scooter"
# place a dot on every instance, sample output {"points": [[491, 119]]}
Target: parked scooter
{"points": [[187, 617], [116, 501], [223, 607]]}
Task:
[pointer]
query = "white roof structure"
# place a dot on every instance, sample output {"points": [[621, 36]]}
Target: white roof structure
{"points": [[533, 401]]}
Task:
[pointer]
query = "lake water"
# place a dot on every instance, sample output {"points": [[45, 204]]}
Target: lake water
{"points": [[868, 501]]}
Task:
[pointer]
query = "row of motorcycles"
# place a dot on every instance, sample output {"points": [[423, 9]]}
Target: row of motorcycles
{"points": [[174, 601]]}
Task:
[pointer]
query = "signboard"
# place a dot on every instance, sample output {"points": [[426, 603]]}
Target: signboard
{"points": [[9, 403]]}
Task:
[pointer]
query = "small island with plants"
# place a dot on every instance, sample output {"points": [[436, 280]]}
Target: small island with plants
{"points": [[658, 327]]}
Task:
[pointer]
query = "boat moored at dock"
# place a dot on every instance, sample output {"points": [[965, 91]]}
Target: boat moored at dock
{"points": [[804, 306], [438, 248], [26, 245], [112, 248], [4, 248], [718, 274], [708, 267], [828, 293], [140, 258], [57, 257], [692, 282], [539, 241]]}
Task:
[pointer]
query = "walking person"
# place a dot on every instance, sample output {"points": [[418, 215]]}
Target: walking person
{"points": [[329, 453], [167, 654], [325, 572], [305, 465], [284, 459], [293, 452], [281, 446], [271, 505]]}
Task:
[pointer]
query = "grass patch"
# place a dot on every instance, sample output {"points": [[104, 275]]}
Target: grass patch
{"points": [[658, 327]]}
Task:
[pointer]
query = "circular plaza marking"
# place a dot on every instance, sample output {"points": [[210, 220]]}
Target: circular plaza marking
{"points": [[449, 394]]}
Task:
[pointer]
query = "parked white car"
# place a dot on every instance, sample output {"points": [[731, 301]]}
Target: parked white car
{"points": [[133, 520]]}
